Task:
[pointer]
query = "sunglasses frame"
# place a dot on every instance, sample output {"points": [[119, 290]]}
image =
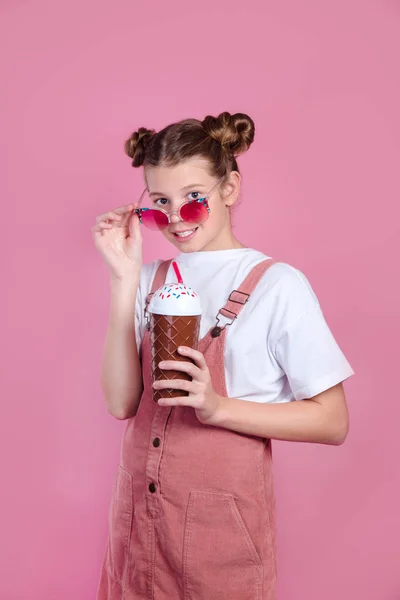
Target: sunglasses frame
{"points": [[203, 200]]}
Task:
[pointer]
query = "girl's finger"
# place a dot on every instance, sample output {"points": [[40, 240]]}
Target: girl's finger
{"points": [[174, 384], [101, 226], [179, 401], [134, 225], [197, 356], [121, 210], [110, 216], [117, 212], [186, 367], [125, 218]]}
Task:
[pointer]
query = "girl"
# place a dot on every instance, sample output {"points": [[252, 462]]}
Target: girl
{"points": [[192, 515]]}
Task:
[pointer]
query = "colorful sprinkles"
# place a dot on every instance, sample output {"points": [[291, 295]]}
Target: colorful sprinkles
{"points": [[177, 291]]}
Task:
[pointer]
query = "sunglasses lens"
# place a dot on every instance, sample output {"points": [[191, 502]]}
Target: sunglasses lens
{"points": [[194, 212], [154, 219]]}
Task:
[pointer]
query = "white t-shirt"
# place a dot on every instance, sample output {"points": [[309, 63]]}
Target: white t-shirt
{"points": [[280, 347]]}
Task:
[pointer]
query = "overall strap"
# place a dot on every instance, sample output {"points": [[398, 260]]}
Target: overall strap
{"points": [[160, 276], [238, 298], [158, 281]]}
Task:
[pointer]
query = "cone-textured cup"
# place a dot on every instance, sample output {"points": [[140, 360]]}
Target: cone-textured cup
{"points": [[167, 333]]}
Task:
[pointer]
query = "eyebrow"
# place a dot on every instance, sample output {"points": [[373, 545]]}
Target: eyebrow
{"points": [[187, 187]]}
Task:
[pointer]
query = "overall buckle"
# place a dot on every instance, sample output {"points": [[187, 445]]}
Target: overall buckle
{"points": [[216, 332], [239, 301], [218, 329], [146, 314]]}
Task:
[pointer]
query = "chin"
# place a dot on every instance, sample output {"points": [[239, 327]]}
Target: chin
{"points": [[188, 248]]}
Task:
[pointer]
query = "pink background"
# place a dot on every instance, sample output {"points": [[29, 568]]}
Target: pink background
{"points": [[321, 191]]}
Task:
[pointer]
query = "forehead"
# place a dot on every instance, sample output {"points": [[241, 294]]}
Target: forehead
{"points": [[171, 180]]}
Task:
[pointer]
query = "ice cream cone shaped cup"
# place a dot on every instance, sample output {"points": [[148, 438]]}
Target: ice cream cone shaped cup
{"points": [[174, 316]]}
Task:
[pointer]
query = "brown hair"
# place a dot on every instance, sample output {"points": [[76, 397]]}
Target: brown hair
{"points": [[218, 139]]}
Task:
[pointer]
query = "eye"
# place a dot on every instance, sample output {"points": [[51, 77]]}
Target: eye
{"points": [[194, 195], [161, 202]]}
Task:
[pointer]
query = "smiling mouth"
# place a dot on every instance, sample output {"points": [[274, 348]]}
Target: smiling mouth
{"points": [[184, 234]]}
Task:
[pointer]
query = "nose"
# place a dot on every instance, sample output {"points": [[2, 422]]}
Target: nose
{"points": [[174, 217]]}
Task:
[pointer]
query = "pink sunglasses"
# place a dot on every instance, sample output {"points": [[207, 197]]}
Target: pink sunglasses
{"points": [[191, 211]]}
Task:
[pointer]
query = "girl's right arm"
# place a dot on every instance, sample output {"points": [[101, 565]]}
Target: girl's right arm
{"points": [[117, 237], [121, 376]]}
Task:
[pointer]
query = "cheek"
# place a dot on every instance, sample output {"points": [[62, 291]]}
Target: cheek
{"points": [[218, 214], [168, 236]]}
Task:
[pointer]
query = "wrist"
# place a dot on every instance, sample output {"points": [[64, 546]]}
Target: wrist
{"points": [[123, 294], [219, 416], [126, 284], [129, 275]]}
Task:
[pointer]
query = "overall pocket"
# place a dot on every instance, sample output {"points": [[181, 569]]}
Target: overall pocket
{"points": [[120, 526], [220, 561]]}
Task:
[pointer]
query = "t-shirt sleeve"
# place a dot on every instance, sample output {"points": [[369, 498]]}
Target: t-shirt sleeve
{"points": [[306, 349]]}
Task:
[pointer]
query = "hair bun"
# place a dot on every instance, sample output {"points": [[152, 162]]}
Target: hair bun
{"points": [[235, 132], [135, 147]]}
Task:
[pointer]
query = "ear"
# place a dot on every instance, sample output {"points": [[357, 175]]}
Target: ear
{"points": [[231, 188]]}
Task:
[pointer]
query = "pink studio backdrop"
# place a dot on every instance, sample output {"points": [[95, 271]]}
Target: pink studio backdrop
{"points": [[321, 191]]}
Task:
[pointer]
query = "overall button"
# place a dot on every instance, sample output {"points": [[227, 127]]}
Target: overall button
{"points": [[152, 487], [156, 442]]}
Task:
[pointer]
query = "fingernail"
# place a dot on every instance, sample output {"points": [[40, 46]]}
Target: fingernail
{"points": [[161, 365]]}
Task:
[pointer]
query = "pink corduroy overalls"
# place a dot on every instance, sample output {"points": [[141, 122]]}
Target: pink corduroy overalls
{"points": [[193, 512]]}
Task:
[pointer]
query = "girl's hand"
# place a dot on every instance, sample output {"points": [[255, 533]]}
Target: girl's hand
{"points": [[118, 238], [202, 396]]}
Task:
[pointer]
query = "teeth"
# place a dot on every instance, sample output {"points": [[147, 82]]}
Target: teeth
{"points": [[185, 233]]}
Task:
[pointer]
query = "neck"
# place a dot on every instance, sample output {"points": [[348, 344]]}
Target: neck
{"points": [[223, 243]]}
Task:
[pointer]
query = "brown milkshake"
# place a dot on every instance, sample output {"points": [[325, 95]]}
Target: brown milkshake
{"points": [[175, 313]]}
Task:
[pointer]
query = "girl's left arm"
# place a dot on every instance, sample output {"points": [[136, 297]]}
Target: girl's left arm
{"points": [[322, 419]]}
